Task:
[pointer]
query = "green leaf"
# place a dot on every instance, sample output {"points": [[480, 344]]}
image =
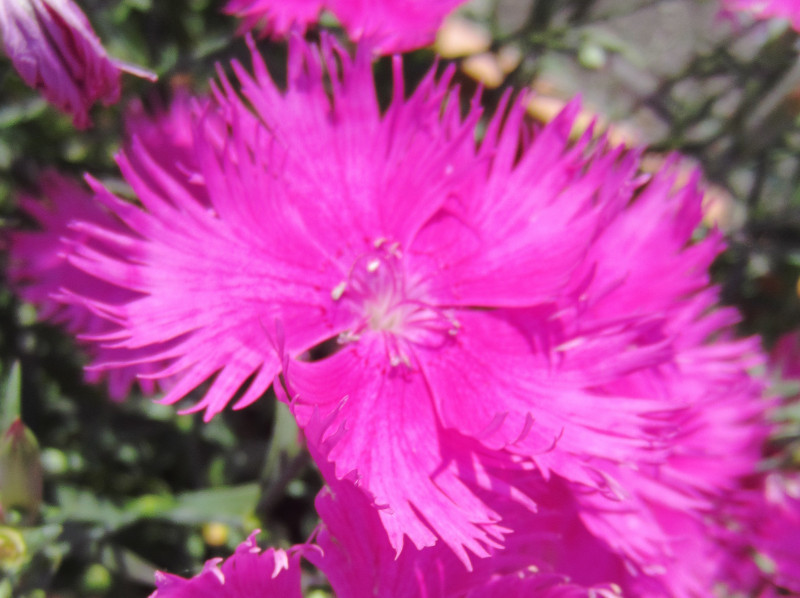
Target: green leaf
{"points": [[284, 445], [793, 257], [20, 112], [285, 434], [39, 538], [10, 408], [128, 564], [77, 505], [141, 5], [229, 505]]}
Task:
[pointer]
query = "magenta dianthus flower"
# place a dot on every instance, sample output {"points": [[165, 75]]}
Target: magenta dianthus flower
{"points": [[550, 554], [165, 134], [525, 303], [389, 26], [55, 50], [767, 9]]}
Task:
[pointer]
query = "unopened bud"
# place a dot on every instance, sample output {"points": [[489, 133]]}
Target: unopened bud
{"points": [[20, 469]]}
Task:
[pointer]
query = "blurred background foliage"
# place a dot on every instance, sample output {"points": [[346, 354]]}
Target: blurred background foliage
{"points": [[130, 487]]}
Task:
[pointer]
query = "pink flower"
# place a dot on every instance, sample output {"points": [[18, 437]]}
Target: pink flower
{"points": [[165, 134], [718, 442], [273, 17], [352, 551], [767, 9], [388, 25], [40, 272], [551, 555], [55, 50], [248, 573], [778, 536], [39, 268], [785, 356], [522, 304]]}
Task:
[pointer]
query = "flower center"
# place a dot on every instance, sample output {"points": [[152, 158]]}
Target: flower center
{"points": [[377, 289]]}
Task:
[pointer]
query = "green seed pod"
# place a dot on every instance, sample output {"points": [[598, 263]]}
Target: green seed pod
{"points": [[20, 470]]}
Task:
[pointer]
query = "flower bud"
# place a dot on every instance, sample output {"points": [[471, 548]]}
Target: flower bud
{"points": [[55, 50], [20, 469]]}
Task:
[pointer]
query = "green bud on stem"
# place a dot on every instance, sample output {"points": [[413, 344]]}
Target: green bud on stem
{"points": [[20, 470]]}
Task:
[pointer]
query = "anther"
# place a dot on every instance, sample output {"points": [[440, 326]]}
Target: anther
{"points": [[338, 290], [456, 326], [396, 360], [347, 337]]}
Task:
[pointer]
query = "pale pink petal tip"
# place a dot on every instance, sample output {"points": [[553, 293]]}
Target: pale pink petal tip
{"points": [[55, 50], [249, 573]]}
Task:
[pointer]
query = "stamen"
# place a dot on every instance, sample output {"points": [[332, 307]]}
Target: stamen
{"points": [[376, 292], [347, 336], [397, 358], [338, 290]]}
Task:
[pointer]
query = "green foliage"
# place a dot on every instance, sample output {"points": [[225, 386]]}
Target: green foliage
{"points": [[11, 394]]}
